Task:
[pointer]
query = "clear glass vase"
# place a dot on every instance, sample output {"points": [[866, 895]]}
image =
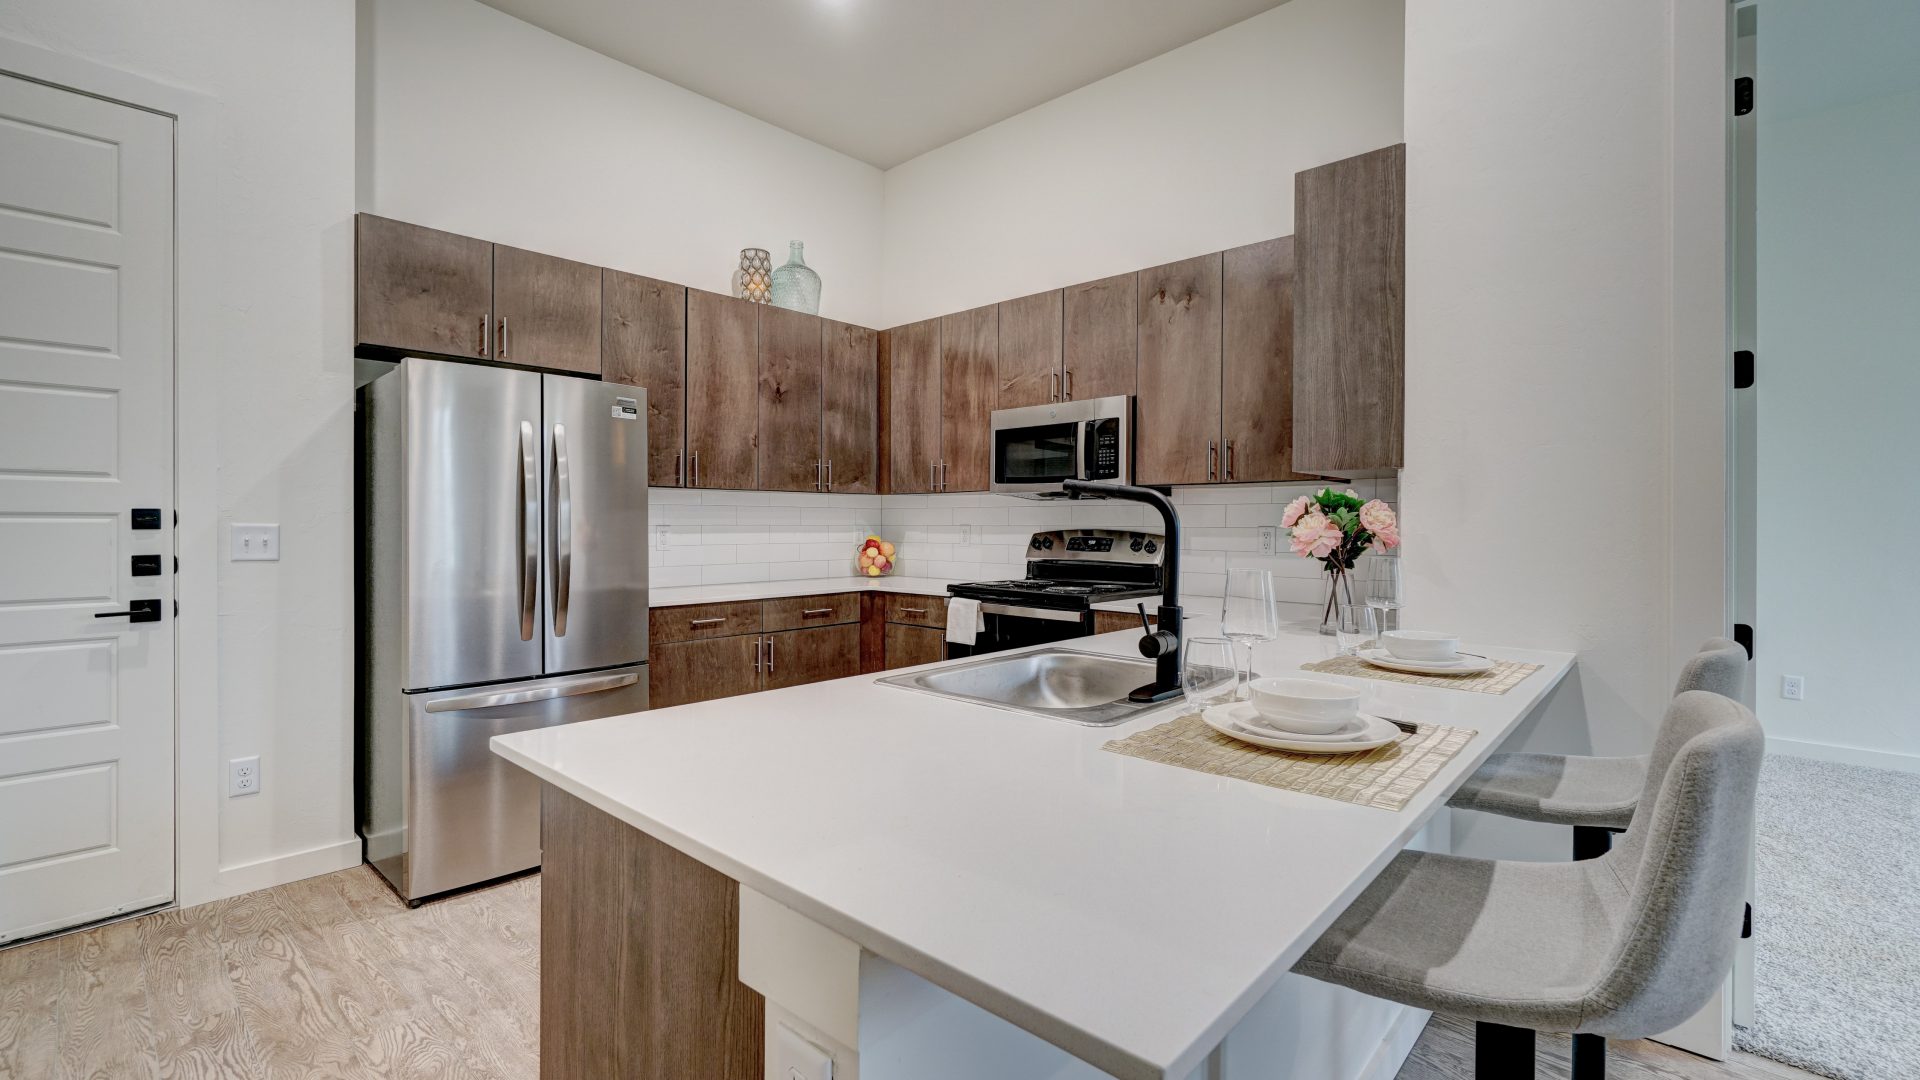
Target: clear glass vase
{"points": [[1339, 591], [795, 286]]}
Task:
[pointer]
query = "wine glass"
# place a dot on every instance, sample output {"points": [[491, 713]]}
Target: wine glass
{"points": [[1354, 627], [1247, 613], [1383, 592], [1209, 676]]}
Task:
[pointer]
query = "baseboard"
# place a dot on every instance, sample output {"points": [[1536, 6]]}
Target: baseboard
{"points": [[280, 869], [1396, 1045], [1844, 755]]}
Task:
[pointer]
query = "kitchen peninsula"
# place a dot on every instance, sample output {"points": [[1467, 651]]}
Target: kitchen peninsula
{"points": [[929, 888]]}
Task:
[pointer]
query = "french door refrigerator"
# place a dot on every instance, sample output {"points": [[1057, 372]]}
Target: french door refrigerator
{"points": [[504, 587]]}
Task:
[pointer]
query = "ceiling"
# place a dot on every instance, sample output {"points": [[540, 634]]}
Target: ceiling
{"points": [[882, 80]]}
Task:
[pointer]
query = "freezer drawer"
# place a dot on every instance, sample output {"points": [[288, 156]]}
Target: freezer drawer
{"points": [[442, 810]]}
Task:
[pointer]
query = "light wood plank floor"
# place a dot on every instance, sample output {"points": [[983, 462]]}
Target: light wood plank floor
{"points": [[333, 977]]}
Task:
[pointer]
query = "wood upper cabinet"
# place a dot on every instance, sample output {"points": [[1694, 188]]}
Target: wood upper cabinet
{"points": [[1177, 416], [422, 290], [723, 390], [790, 377], [969, 345], [798, 657], [1100, 328], [644, 343], [682, 672], [913, 407], [850, 397], [546, 311], [1349, 340], [1029, 363], [1256, 362]]}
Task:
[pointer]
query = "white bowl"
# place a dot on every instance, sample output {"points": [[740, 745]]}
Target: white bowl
{"points": [[1420, 644], [1308, 706]]}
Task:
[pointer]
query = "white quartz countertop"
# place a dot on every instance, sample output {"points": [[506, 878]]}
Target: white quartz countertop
{"points": [[1127, 911], [681, 595]]}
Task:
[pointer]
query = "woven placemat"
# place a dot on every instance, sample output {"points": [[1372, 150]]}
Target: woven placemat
{"points": [[1504, 676], [1387, 776]]}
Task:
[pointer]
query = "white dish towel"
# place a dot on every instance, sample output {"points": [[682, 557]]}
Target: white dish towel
{"points": [[964, 621]]}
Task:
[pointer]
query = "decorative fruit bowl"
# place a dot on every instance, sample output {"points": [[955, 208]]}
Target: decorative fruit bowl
{"points": [[875, 557]]}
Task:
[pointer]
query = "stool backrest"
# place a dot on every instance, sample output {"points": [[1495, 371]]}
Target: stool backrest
{"points": [[1683, 861], [1719, 666]]}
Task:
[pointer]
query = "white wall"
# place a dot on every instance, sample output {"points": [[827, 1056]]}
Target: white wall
{"points": [[1839, 372], [1190, 152], [1565, 352], [265, 166], [485, 125]]}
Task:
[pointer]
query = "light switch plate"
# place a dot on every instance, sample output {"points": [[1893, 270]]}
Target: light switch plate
{"points": [[255, 543], [796, 1058]]}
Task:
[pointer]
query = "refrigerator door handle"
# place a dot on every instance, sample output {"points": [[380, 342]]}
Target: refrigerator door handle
{"points": [[498, 698], [562, 531], [529, 528]]}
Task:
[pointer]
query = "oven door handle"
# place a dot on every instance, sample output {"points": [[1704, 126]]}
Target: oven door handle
{"points": [[1050, 614]]}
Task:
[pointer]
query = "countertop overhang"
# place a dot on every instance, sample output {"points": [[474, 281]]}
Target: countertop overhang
{"points": [[1126, 911]]}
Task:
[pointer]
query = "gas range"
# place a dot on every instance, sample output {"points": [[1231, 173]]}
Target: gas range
{"points": [[1070, 570]]}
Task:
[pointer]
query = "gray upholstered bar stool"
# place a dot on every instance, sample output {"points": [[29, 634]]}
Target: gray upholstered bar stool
{"points": [[1595, 795], [1622, 946]]}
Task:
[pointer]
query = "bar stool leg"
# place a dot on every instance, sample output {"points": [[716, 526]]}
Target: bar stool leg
{"points": [[1589, 1057], [1591, 842], [1501, 1052]]}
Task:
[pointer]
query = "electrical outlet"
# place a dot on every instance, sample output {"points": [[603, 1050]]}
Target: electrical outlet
{"points": [[660, 538], [256, 543], [966, 535], [1793, 688], [1269, 539], [243, 776]]}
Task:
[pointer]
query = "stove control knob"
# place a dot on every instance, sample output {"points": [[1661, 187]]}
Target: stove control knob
{"points": [[1036, 544], [1152, 547], [1047, 542], [1137, 543]]}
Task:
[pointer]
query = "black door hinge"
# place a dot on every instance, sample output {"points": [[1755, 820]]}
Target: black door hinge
{"points": [[1743, 369], [1746, 923], [1743, 637], [1743, 95]]}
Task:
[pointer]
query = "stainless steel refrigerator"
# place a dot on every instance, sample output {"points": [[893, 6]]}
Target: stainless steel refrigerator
{"points": [[503, 587]]}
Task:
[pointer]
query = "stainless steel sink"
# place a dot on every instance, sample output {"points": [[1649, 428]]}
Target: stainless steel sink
{"points": [[1084, 688]]}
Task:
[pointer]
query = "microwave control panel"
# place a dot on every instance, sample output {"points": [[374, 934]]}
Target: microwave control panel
{"points": [[1103, 449]]}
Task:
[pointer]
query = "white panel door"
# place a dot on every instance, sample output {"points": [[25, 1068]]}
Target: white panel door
{"points": [[86, 438]]}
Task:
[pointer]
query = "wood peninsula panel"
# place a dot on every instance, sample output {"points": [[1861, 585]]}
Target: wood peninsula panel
{"points": [[790, 403], [723, 387], [914, 408], [851, 402], [1177, 416], [683, 672], [1029, 364], [798, 657], [644, 343], [1349, 332], [546, 311], [639, 964], [421, 290], [1256, 362], [969, 345], [1101, 329]]}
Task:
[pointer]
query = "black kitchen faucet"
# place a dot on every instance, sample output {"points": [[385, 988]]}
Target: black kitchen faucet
{"points": [[1161, 645]]}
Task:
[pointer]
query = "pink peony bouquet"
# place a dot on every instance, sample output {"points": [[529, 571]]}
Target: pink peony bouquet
{"points": [[1337, 527]]}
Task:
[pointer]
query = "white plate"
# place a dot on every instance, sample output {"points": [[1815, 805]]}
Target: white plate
{"points": [[1460, 665], [1369, 732]]}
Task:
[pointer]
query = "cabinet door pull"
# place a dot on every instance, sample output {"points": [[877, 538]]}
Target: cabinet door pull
{"points": [[809, 613], [913, 611], [829, 474], [706, 622], [679, 469], [933, 476], [1213, 460], [696, 469], [769, 654], [943, 476], [1069, 384], [1054, 394], [1229, 459], [503, 337], [486, 337], [757, 642]]}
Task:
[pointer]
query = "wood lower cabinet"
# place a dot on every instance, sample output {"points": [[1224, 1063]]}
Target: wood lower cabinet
{"points": [[1029, 364], [1100, 326], [850, 400], [683, 672], [798, 657], [421, 290], [723, 390], [1177, 416], [1349, 326], [911, 645], [969, 347], [790, 404], [1256, 362], [644, 343], [546, 311], [913, 408]]}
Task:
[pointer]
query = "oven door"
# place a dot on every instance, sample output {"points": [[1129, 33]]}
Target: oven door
{"points": [[1013, 627]]}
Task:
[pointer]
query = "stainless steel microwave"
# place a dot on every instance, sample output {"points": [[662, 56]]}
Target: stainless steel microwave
{"points": [[1037, 447]]}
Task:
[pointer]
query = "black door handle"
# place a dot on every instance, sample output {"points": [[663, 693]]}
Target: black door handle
{"points": [[137, 611]]}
